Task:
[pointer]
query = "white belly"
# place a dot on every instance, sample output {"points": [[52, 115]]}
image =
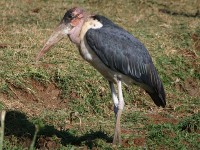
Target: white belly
{"points": [[94, 60]]}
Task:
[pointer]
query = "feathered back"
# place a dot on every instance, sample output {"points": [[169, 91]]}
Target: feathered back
{"points": [[122, 52]]}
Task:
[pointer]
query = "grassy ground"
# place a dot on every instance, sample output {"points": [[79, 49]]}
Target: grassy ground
{"points": [[44, 96]]}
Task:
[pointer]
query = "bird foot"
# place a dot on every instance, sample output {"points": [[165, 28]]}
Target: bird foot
{"points": [[117, 140]]}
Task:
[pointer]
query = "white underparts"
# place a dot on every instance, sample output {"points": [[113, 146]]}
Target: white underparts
{"points": [[85, 51], [89, 55]]}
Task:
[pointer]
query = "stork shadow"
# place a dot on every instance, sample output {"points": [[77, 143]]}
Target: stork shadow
{"points": [[17, 124]]}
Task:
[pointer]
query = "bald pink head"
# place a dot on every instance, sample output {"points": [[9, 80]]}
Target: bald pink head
{"points": [[70, 25]]}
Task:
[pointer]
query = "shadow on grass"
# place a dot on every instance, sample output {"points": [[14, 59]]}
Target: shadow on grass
{"points": [[17, 124]]}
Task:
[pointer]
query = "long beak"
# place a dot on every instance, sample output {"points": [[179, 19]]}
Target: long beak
{"points": [[59, 33]]}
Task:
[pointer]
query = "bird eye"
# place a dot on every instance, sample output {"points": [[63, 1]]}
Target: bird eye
{"points": [[71, 16]]}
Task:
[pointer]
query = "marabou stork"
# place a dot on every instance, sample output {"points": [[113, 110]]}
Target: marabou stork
{"points": [[114, 52]]}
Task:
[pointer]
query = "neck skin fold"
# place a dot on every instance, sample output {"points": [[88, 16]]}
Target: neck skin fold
{"points": [[74, 34]]}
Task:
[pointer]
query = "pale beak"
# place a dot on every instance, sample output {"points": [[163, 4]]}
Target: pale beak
{"points": [[59, 33]]}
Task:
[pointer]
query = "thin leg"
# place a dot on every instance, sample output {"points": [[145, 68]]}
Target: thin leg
{"points": [[117, 135], [121, 99], [114, 97]]}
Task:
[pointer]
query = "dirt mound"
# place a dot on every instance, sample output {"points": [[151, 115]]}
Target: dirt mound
{"points": [[159, 119], [33, 98]]}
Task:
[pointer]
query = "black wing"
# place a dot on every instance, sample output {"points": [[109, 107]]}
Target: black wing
{"points": [[122, 52]]}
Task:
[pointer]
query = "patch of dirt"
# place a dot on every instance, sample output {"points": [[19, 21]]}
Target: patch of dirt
{"points": [[125, 143], [132, 131], [3, 46], [188, 53], [34, 98], [189, 86], [36, 10], [47, 143], [196, 40], [140, 141], [159, 119], [192, 56]]}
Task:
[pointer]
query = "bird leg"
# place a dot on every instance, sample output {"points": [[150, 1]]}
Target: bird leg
{"points": [[114, 97], [118, 107], [117, 134]]}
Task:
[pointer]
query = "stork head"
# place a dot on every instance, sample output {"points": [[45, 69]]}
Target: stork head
{"points": [[70, 23]]}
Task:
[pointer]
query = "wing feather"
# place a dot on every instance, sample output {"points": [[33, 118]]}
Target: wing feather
{"points": [[122, 52]]}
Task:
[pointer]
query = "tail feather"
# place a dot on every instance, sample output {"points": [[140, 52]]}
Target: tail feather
{"points": [[156, 92], [158, 98]]}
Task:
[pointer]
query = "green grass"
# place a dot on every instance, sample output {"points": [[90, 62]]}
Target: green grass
{"points": [[184, 135], [45, 94]]}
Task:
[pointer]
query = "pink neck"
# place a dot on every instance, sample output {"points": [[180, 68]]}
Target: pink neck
{"points": [[74, 34]]}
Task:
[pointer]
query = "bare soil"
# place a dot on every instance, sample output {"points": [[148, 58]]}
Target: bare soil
{"points": [[35, 99]]}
